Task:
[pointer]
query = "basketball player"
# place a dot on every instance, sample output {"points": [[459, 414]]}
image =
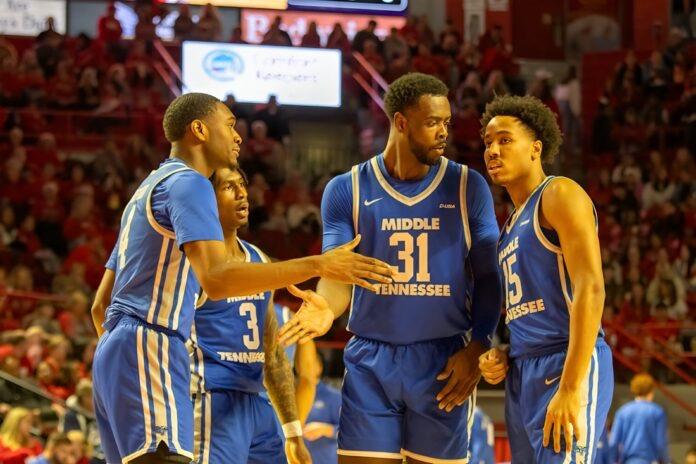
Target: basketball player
{"points": [[171, 245], [560, 383], [639, 432], [412, 364], [235, 352]]}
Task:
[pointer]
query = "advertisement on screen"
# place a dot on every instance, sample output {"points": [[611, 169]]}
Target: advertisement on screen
{"points": [[28, 17], [252, 73], [255, 23]]}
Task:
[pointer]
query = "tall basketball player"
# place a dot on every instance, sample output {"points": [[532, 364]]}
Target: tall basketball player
{"points": [[412, 364], [169, 247], [560, 380]]}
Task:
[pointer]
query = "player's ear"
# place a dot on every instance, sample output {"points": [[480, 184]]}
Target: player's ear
{"points": [[400, 122], [199, 130], [537, 147]]}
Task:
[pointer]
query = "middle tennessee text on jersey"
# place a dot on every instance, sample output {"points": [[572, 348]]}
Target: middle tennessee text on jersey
{"points": [[427, 238], [226, 343], [538, 293]]}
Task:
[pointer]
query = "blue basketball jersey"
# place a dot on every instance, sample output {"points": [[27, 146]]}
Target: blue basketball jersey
{"points": [[538, 293], [426, 238], [227, 350], [154, 281]]}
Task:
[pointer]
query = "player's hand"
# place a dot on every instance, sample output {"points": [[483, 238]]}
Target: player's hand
{"points": [[342, 264], [316, 430], [296, 451], [463, 373], [313, 319], [561, 419], [494, 365]]}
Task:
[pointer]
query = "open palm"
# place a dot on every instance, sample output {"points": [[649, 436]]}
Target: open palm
{"points": [[313, 319]]}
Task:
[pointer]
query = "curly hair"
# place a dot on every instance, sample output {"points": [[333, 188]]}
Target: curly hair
{"points": [[406, 90], [185, 109], [536, 116]]}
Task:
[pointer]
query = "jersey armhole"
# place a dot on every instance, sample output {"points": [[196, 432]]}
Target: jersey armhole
{"points": [[356, 197], [159, 228], [464, 209], [538, 230]]}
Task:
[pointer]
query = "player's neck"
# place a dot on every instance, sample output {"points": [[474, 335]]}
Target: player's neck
{"points": [[233, 247], [522, 188], [193, 159], [401, 164]]}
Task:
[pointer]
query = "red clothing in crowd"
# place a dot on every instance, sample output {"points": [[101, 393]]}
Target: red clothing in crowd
{"points": [[109, 29], [19, 456]]}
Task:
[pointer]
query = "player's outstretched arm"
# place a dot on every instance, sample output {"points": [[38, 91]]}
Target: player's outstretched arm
{"points": [[278, 379], [102, 298], [221, 279], [569, 211]]}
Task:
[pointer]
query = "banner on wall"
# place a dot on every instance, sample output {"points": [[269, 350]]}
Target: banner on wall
{"points": [[252, 73], [28, 17], [255, 23], [377, 6]]}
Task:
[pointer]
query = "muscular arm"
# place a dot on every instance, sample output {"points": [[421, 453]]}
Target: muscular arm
{"points": [[487, 295], [307, 379], [102, 299], [568, 210], [337, 294], [222, 279], [278, 377]]}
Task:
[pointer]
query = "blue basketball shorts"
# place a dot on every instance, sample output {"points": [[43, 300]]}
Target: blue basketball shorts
{"points": [[141, 391], [388, 406], [234, 427], [530, 385]]}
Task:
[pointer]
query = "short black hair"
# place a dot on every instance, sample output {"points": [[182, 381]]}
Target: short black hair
{"points": [[185, 109], [536, 116], [406, 90]]}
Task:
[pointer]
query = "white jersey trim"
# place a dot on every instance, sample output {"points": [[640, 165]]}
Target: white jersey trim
{"points": [[370, 454], [148, 204], [464, 177], [432, 460], [409, 201], [355, 181]]}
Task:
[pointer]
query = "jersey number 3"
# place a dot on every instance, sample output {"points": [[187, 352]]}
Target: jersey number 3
{"points": [[252, 342]]}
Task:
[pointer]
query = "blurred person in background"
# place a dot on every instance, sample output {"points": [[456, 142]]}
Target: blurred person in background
{"points": [[482, 439], [59, 450], [639, 433], [16, 441]]}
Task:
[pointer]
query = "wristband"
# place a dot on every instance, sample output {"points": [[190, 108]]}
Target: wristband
{"points": [[292, 429]]}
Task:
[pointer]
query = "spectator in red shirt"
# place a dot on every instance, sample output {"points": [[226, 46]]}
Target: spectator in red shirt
{"points": [[311, 38], [81, 222], [16, 442], [428, 63], [75, 320], [26, 235], [338, 39], [184, 27], [109, 28], [62, 88], [44, 153], [92, 255]]}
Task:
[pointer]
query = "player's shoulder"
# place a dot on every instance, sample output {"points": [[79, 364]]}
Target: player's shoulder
{"points": [[256, 250], [564, 188], [187, 181]]}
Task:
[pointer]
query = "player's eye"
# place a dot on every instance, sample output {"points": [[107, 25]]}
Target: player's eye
{"points": [[505, 140]]}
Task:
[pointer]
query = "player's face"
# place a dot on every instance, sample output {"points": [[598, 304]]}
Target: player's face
{"points": [[427, 128], [223, 142], [231, 194], [510, 149]]}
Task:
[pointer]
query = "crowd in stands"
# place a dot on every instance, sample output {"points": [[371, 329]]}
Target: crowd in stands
{"points": [[60, 207]]}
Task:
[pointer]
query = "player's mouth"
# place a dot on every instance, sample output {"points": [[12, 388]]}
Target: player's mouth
{"points": [[494, 167], [243, 210]]}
